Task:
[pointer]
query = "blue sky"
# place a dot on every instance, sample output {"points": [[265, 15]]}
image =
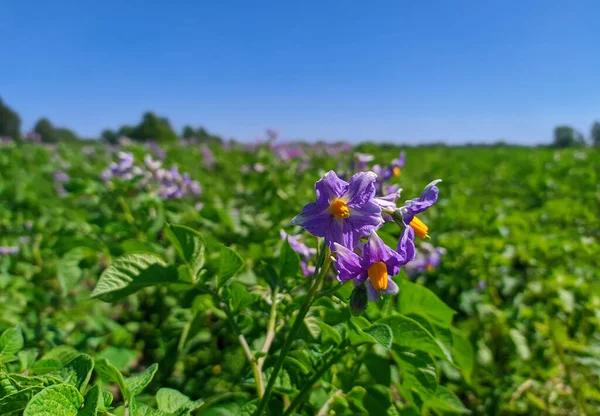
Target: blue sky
{"points": [[386, 70]]}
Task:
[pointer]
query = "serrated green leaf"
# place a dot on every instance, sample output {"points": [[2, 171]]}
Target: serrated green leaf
{"points": [[91, 403], [11, 342], [76, 372], [419, 300], [58, 400], [138, 382], [190, 246], [229, 264], [131, 273], [411, 334], [289, 261]]}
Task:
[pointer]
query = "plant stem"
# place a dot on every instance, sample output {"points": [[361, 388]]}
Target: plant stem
{"points": [[291, 336], [270, 328], [314, 379], [241, 338]]}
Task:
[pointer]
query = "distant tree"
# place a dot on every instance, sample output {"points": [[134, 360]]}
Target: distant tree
{"points": [[52, 134], [126, 130], [188, 131], [567, 136], [46, 130], [110, 136], [153, 127], [10, 122], [595, 134]]}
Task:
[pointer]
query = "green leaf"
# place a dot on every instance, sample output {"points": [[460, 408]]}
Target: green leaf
{"points": [[521, 344], [76, 372], [230, 263], [109, 373], [190, 246], [11, 342], [131, 273], [419, 300], [68, 272], [170, 400], [462, 352], [63, 354], [289, 262], [45, 366], [239, 297], [381, 333], [418, 369], [92, 402], [14, 404], [411, 334], [446, 401], [58, 400], [380, 369], [27, 358], [328, 333], [138, 382]]}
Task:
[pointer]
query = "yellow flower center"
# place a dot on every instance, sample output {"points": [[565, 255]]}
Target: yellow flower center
{"points": [[378, 275], [339, 209], [429, 267], [419, 227], [397, 171]]}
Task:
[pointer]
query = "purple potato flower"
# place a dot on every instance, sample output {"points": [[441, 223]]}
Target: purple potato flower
{"points": [[5, 251], [344, 211], [375, 268], [427, 259], [303, 251]]}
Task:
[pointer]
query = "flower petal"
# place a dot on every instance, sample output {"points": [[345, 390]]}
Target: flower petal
{"points": [[361, 189], [406, 245], [330, 187], [372, 293], [347, 264], [375, 250], [315, 218], [428, 197], [392, 288]]}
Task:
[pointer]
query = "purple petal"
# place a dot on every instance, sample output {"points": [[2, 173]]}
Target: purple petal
{"points": [[330, 187], [347, 264], [372, 294], [361, 189], [428, 197], [392, 288], [406, 245], [315, 218], [375, 250]]}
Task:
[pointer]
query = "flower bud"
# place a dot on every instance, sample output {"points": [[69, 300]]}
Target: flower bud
{"points": [[358, 300]]}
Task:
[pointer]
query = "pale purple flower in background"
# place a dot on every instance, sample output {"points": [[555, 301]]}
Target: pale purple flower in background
{"points": [[427, 259], [199, 206], [208, 157], [245, 169], [304, 252], [32, 137], [271, 134], [361, 161], [481, 286], [29, 225], [61, 177], [88, 151], [152, 164], [259, 167], [5, 251]]}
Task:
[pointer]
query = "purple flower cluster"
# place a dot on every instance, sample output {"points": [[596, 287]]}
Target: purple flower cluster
{"points": [[60, 178], [427, 259], [168, 183], [345, 213], [208, 157]]}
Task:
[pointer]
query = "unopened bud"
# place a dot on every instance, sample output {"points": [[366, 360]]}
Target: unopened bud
{"points": [[359, 300]]}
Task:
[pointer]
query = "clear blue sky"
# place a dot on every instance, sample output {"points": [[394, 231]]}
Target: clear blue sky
{"points": [[394, 70]]}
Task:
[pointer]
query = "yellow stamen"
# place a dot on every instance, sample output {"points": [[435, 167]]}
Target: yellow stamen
{"points": [[339, 209], [378, 275], [397, 171], [429, 267], [419, 226]]}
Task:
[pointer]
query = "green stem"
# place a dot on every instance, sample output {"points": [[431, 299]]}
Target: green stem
{"points": [[241, 338], [292, 335], [314, 379]]}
